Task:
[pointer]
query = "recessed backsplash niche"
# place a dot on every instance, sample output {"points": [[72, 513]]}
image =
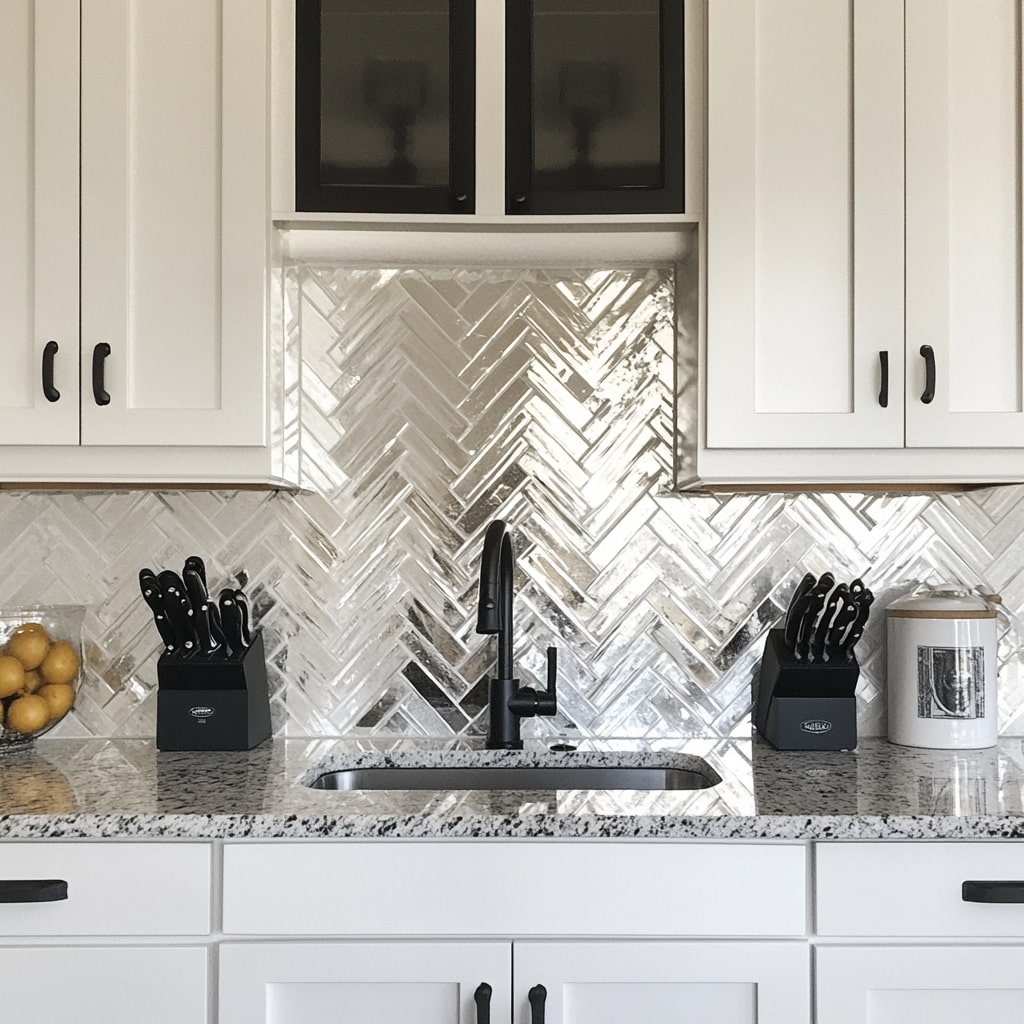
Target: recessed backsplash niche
{"points": [[434, 400]]}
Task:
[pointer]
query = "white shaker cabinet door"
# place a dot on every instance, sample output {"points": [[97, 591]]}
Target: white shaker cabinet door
{"points": [[963, 83], [39, 208], [937, 984], [109, 984], [360, 982], [651, 982], [174, 221], [805, 224]]}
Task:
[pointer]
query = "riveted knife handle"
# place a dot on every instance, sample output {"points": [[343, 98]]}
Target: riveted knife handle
{"points": [[51, 393], [99, 355]]}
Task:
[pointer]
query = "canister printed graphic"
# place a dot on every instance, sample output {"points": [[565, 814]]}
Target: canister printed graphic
{"points": [[951, 682]]}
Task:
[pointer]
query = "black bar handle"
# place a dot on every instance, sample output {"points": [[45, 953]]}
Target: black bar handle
{"points": [[33, 890], [51, 393], [99, 354], [883, 391], [993, 892], [538, 997], [482, 995], [929, 374]]}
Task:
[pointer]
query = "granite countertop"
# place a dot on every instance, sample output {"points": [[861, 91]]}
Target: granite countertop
{"points": [[128, 789]]}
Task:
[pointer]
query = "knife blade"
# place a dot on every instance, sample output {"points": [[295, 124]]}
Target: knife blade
{"points": [[179, 612], [199, 600], [231, 620], [795, 607], [152, 595], [864, 600]]}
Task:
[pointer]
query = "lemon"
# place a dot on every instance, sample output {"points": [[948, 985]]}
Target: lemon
{"points": [[59, 697], [29, 646], [28, 714], [61, 663], [33, 680], [12, 675]]}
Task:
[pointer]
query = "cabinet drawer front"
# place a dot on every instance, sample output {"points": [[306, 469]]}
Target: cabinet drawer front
{"points": [[916, 888], [113, 888], [113, 984], [514, 888]]}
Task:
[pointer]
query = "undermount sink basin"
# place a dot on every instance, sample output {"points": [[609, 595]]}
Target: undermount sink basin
{"points": [[543, 777]]}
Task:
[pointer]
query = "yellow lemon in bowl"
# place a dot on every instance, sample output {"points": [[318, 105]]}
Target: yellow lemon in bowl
{"points": [[28, 714], [29, 646], [59, 698], [60, 664], [12, 675]]}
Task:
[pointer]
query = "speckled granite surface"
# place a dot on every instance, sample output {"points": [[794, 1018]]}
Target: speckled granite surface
{"points": [[127, 789]]}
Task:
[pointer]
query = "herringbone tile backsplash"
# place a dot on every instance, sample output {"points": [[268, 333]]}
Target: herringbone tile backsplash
{"points": [[434, 401]]}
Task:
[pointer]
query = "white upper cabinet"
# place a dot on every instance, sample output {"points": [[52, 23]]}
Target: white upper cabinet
{"points": [[39, 200], [805, 246], [174, 221], [864, 224]]}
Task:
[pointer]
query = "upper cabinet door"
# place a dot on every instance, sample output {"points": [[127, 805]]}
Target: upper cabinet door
{"points": [[594, 106], [805, 224], [385, 105], [175, 222], [965, 380], [39, 200]]}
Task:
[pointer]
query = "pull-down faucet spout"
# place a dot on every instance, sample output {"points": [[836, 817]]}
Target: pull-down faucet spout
{"points": [[507, 701]]}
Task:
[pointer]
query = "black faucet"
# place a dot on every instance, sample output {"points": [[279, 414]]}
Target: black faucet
{"points": [[507, 700]]}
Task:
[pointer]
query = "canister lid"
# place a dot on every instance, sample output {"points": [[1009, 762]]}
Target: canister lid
{"points": [[944, 601]]}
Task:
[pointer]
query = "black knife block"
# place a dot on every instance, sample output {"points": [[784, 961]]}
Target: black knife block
{"points": [[213, 703], [803, 705]]}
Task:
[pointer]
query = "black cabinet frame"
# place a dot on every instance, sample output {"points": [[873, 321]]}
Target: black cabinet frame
{"points": [[313, 194], [521, 195]]}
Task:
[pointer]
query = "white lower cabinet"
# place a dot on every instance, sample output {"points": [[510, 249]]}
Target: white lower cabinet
{"points": [[486, 982], [937, 984], [112, 984]]}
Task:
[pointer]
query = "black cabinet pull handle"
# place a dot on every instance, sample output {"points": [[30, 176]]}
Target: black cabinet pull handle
{"points": [[52, 394], [538, 997], [99, 354], [33, 890], [482, 995], [929, 373], [993, 892], [883, 391]]}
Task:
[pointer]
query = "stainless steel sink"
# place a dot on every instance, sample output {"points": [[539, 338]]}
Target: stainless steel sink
{"points": [[544, 777]]}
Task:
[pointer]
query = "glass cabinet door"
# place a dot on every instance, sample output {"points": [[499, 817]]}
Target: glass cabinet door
{"points": [[385, 105], [594, 106]]}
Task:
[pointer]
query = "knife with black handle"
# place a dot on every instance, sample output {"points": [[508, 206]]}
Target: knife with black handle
{"points": [[196, 564], [153, 596], [844, 619], [815, 603], [243, 607], [231, 620], [864, 601], [795, 608], [179, 612], [816, 647], [200, 603]]}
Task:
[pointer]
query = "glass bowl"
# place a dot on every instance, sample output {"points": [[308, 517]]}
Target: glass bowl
{"points": [[40, 668]]}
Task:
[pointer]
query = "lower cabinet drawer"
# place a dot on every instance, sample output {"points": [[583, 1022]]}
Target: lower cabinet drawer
{"points": [[512, 888], [112, 889], [115, 984], [917, 889]]}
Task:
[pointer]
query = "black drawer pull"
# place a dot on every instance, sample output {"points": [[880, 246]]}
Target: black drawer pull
{"points": [[929, 373], [33, 890], [51, 393], [99, 354], [538, 997], [482, 995], [993, 892], [883, 391]]}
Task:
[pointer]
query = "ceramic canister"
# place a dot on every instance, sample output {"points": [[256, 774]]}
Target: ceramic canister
{"points": [[942, 669]]}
